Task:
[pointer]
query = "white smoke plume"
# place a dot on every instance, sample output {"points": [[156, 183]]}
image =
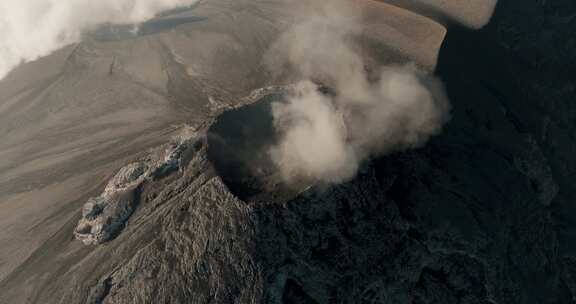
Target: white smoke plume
{"points": [[326, 136], [30, 29]]}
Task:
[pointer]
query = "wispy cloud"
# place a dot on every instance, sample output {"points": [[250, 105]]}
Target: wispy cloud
{"points": [[325, 136], [30, 29]]}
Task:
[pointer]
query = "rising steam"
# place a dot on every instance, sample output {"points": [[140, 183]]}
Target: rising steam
{"points": [[33, 28], [325, 136]]}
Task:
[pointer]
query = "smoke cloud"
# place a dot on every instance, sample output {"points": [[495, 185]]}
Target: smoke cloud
{"points": [[30, 29], [326, 134]]}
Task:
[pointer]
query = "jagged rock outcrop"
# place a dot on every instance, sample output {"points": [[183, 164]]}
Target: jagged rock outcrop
{"points": [[104, 216]]}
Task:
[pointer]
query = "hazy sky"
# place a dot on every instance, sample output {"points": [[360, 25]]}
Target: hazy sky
{"points": [[33, 28]]}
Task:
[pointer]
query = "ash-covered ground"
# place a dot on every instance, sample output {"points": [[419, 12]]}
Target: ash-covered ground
{"points": [[481, 214]]}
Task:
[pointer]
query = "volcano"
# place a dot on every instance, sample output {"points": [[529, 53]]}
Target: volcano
{"points": [[159, 140]]}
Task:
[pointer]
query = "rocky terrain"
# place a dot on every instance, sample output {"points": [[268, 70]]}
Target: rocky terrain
{"points": [[104, 216], [482, 214], [69, 121]]}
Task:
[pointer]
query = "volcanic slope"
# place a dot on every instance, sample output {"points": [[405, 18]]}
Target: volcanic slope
{"points": [[482, 214], [70, 120]]}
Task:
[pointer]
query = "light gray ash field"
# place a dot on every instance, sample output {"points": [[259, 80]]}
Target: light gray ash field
{"points": [[275, 151]]}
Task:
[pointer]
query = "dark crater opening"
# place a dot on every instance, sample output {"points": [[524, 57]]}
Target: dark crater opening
{"points": [[238, 145]]}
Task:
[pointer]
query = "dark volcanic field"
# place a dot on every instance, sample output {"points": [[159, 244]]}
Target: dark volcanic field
{"points": [[484, 213]]}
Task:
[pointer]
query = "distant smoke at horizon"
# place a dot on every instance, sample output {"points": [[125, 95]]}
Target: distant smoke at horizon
{"points": [[325, 137], [34, 28]]}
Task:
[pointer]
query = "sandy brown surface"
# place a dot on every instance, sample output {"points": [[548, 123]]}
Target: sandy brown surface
{"points": [[471, 13]]}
